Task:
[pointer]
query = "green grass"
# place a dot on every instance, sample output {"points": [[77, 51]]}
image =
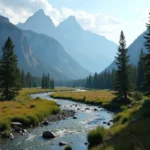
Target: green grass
{"points": [[26, 110], [96, 136], [131, 130]]}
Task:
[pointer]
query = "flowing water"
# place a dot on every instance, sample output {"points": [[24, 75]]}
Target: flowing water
{"points": [[74, 132]]}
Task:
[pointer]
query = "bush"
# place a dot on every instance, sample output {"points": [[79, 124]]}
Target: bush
{"points": [[5, 134], [125, 120], [37, 98], [84, 98], [32, 106], [33, 119], [123, 108], [68, 147], [22, 119], [96, 136], [4, 125], [138, 96]]}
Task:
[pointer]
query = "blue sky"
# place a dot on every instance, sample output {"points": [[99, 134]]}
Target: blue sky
{"points": [[130, 11], [104, 17]]}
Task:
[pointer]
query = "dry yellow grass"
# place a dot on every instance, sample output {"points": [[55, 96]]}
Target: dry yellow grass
{"points": [[25, 109], [95, 96]]}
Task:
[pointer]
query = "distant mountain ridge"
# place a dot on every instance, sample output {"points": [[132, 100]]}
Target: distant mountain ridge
{"points": [[92, 51], [30, 48]]}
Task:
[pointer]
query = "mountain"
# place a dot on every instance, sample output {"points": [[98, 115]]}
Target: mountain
{"points": [[40, 54], [54, 56], [92, 51], [26, 58], [133, 51], [39, 23]]}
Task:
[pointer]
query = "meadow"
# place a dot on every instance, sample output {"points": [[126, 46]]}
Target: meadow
{"points": [[27, 110], [99, 97]]}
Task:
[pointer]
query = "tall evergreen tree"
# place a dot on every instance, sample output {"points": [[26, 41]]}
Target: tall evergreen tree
{"points": [[122, 81], [9, 71], [23, 79], [42, 83], [140, 71], [147, 57]]}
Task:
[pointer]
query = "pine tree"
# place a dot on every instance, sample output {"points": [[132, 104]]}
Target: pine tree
{"points": [[122, 81], [42, 83], [48, 81], [9, 71], [147, 57], [140, 71], [23, 79]]}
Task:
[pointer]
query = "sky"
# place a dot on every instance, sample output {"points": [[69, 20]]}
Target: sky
{"points": [[103, 17]]}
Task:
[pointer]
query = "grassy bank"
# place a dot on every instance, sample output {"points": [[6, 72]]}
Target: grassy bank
{"points": [[131, 125], [99, 97], [26, 110]]}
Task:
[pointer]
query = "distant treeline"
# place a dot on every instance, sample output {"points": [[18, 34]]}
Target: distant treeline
{"points": [[27, 80], [105, 79]]}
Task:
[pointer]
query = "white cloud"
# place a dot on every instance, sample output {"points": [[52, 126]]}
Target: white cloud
{"points": [[144, 17], [20, 10]]}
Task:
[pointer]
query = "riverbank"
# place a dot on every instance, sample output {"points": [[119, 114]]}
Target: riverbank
{"points": [[131, 124], [26, 110], [101, 98]]}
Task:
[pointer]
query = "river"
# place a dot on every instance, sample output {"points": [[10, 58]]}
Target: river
{"points": [[74, 132]]}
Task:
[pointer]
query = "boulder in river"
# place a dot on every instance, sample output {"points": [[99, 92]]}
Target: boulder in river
{"points": [[45, 123], [48, 135], [62, 143], [17, 129], [74, 117], [108, 124]]}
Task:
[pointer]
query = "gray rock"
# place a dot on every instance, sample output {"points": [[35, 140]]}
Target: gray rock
{"points": [[46, 123], [16, 124], [17, 129], [62, 143], [95, 109], [48, 135], [74, 117]]}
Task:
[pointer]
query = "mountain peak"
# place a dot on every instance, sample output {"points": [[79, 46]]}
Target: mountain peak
{"points": [[71, 18], [70, 22], [40, 12]]}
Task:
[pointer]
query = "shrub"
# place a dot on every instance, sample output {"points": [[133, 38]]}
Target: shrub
{"points": [[5, 134], [125, 120], [138, 96], [4, 125], [37, 98], [96, 136], [32, 106], [22, 119], [117, 118], [33, 119], [123, 108], [84, 98], [68, 147]]}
